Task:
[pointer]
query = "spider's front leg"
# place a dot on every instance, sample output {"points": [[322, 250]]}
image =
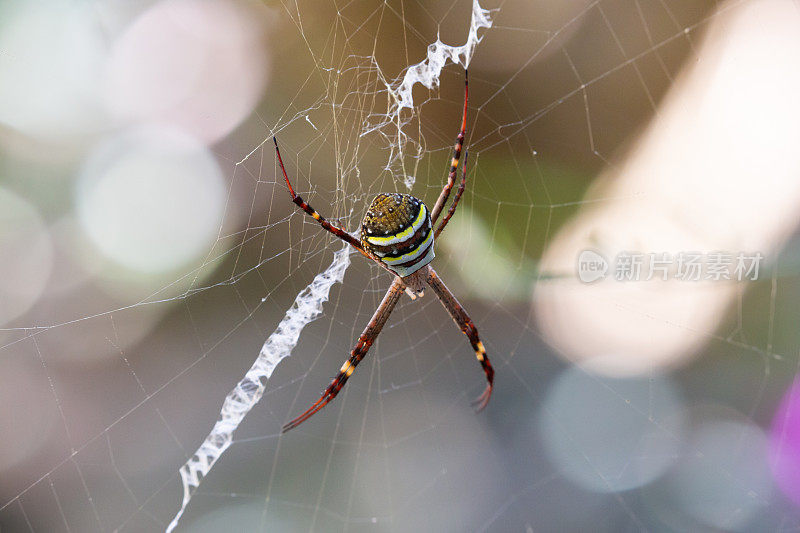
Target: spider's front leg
{"points": [[451, 176], [302, 204], [357, 354], [305, 206], [456, 198], [468, 328]]}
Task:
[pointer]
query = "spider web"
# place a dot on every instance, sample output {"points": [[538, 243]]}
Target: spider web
{"points": [[625, 415]]}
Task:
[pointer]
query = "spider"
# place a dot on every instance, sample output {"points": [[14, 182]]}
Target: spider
{"points": [[397, 232]]}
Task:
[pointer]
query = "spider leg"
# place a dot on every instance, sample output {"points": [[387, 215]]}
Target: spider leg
{"points": [[464, 322], [339, 232], [451, 178], [356, 355], [456, 198]]}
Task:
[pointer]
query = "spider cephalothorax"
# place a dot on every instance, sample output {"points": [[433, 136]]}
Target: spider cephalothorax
{"points": [[397, 233], [397, 230]]}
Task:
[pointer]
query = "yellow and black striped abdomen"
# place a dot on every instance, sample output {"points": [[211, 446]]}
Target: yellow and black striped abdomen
{"points": [[397, 230]]}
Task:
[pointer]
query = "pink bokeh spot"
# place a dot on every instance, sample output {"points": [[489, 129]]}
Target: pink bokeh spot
{"points": [[197, 65], [785, 443]]}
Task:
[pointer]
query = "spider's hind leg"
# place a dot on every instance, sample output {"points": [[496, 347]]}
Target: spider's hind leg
{"points": [[356, 355], [468, 328]]}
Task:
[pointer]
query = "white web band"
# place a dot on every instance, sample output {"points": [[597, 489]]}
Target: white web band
{"points": [[307, 307], [427, 73]]}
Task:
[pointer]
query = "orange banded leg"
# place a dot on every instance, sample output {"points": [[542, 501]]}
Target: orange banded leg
{"points": [[451, 177], [339, 232], [468, 328], [362, 346], [456, 198]]}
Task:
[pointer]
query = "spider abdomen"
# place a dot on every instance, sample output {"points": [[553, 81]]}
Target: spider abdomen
{"points": [[397, 230]]}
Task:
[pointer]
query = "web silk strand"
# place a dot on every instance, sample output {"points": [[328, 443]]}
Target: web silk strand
{"points": [[427, 73], [306, 307]]}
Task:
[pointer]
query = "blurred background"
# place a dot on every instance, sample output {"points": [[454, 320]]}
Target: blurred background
{"points": [[148, 247]]}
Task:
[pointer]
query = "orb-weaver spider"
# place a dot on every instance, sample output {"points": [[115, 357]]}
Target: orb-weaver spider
{"points": [[397, 233]]}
